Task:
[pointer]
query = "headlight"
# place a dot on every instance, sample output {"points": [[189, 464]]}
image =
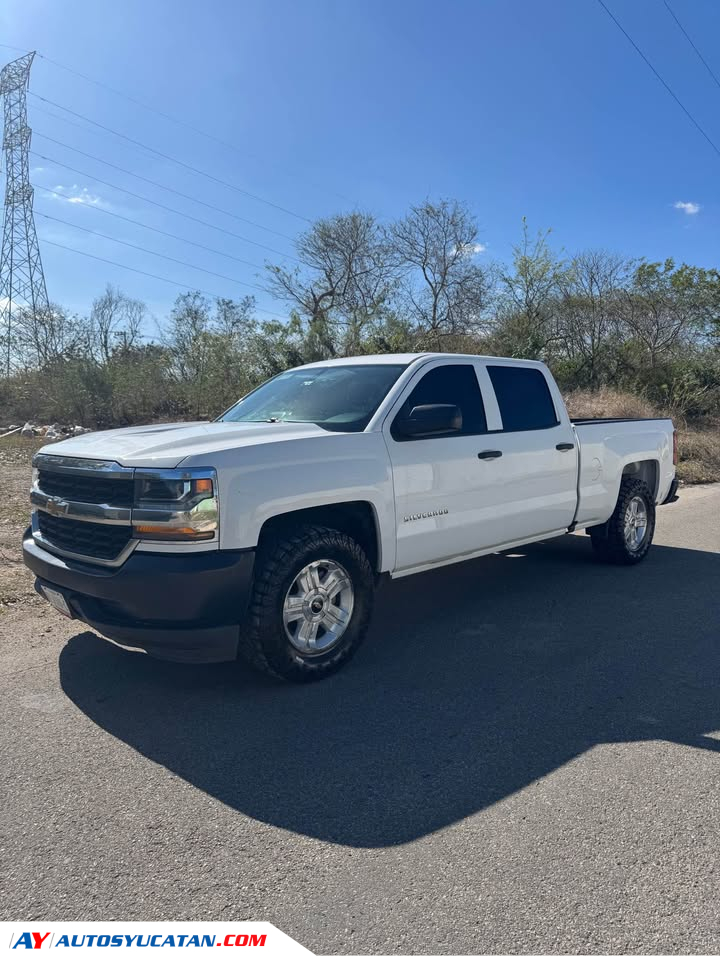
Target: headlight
{"points": [[175, 505]]}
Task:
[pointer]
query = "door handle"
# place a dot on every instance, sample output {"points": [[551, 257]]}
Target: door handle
{"points": [[489, 454], [565, 446]]}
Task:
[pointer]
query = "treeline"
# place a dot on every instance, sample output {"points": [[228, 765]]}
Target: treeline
{"points": [[424, 282]]}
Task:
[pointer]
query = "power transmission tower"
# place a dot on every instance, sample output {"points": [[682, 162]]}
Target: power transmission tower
{"points": [[22, 282]]}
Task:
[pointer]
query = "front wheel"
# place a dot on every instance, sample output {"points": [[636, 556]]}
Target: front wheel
{"points": [[629, 531], [311, 604]]}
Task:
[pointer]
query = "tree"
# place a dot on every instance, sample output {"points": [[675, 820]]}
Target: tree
{"points": [[211, 348], [665, 306], [115, 320], [444, 288], [345, 283], [589, 313], [527, 322], [47, 335]]}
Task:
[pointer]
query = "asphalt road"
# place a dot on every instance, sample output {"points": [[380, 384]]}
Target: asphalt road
{"points": [[525, 758]]}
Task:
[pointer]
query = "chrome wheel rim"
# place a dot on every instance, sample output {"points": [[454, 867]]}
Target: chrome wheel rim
{"points": [[318, 607], [635, 523]]}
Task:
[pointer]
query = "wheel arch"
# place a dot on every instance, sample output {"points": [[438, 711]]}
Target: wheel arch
{"points": [[357, 518], [646, 470]]}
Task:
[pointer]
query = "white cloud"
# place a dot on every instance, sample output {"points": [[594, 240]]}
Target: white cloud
{"points": [[473, 249], [78, 194], [687, 207]]}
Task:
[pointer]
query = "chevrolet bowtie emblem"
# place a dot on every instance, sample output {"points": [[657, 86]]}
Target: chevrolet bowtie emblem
{"points": [[58, 508]]}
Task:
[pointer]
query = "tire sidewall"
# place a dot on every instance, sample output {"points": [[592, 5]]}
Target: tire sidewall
{"points": [[282, 656], [629, 490]]}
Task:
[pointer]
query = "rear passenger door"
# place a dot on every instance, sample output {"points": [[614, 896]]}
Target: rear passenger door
{"points": [[440, 484], [536, 476]]}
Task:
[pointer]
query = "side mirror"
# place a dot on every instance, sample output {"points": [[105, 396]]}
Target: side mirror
{"points": [[430, 420]]}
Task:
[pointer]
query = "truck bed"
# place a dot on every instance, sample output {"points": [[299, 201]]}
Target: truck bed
{"points": [[610, 446]]}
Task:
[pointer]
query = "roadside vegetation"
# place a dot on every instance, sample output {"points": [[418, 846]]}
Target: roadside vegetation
{"points": [[698, 439], [623, 336]]}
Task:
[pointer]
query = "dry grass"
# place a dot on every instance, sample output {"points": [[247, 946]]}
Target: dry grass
{"points": [[698, 443], [609, 403], [699, 454]]}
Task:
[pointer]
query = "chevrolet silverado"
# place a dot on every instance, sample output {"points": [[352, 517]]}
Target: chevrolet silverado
{"points": [[263, 534]]}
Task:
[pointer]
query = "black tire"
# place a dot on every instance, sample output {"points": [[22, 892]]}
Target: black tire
{"points": [[264, 643], [613, 546]]}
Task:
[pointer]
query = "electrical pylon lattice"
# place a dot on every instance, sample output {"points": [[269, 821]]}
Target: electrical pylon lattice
{"points": [[22, 282]]}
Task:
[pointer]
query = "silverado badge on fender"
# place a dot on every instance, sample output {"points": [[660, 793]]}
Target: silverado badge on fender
{"points": [[424, 516]]}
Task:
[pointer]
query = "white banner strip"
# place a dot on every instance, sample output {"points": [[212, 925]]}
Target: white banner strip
{"points": [[263, 940]]}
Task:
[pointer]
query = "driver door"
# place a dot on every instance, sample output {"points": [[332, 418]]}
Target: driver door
{"points": [[441, 509]]}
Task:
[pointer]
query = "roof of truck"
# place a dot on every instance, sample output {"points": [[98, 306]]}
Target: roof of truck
{"points": [[374, 358], [408, 358]]}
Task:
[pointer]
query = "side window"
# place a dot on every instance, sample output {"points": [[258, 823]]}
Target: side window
{"points": [[451, 383], [523, 397]]}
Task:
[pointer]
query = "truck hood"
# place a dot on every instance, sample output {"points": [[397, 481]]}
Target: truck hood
{"points": [[168, 444]]}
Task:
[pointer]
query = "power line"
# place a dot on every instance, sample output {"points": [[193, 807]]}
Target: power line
{"points": [[167, 116], [154, 253], [153, 276], [162, 186], [689, 40], [146, 226], [171, 159], [96, 133], [7, 46], [667, 86], [162, 206]]}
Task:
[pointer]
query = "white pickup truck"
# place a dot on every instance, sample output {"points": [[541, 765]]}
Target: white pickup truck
{"points": [[264, 533]]}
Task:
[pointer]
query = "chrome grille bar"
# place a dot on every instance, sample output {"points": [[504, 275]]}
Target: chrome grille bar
{"points": [[75, 510]]}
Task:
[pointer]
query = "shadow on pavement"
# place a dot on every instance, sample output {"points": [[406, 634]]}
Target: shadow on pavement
{"points": [[475, 680]]}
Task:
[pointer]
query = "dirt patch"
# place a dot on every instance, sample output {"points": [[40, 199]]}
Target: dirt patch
{"points": [[16, 581]]}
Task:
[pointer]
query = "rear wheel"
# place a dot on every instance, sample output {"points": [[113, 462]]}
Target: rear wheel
{"points": [[628, 534], [311, 604]]}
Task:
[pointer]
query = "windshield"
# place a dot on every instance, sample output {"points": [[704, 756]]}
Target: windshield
{"points": [[336, 397]]}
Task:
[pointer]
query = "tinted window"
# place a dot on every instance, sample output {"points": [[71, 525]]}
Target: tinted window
{"points": [[452, 383], [523, 397], [337, 397]]}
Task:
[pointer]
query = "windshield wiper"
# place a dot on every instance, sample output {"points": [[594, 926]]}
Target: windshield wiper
{"points": [[263, 420]]}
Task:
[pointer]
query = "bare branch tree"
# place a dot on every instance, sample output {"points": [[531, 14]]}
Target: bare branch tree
{"points": [[589, 310], [45, 335], [445, 290], [345, 285], [115, 320]]}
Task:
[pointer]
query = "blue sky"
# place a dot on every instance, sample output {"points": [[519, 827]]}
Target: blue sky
{"points": [[520, 108]]}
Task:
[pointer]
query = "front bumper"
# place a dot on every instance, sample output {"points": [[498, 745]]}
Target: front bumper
{"points": [[184, 607]]}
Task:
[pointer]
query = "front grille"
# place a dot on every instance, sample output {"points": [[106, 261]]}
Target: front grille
{"points": [[73, 486], [103, 541]]}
